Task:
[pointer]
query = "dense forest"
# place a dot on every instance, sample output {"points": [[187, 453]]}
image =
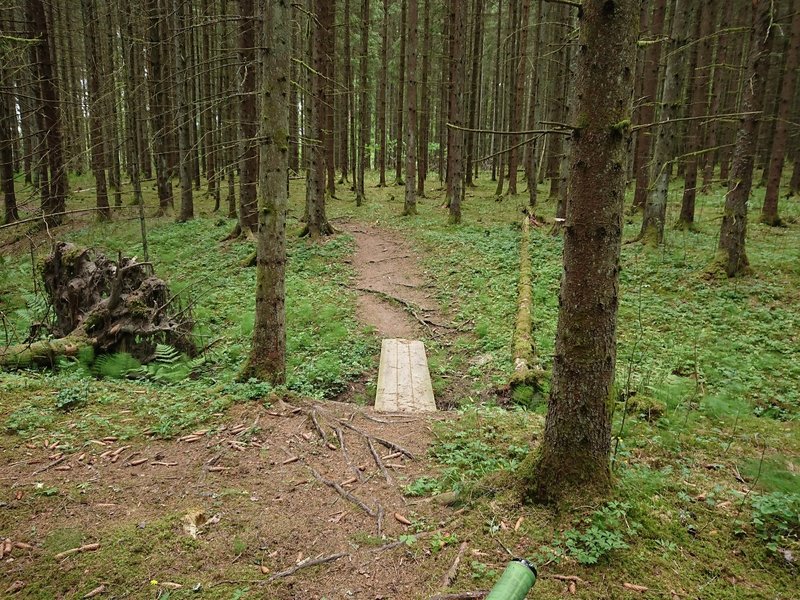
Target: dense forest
{"points": [[217, 214]]}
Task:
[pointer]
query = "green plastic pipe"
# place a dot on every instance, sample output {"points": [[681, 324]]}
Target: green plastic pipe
{"points": [[515, 582]]}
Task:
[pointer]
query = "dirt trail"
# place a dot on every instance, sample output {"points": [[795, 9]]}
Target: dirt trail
{"points": [[393, 294], [259, 478]]}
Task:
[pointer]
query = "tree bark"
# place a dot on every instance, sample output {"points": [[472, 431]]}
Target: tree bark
{"points": [[732, 254], [574, 455], [268, 353], [182, 101], [317, 222], [248, 119], [363, 108], [158, 106], [410, 203], [381, 110], [698, 106], [647, 113], [519, 91], [7, 135], [769, 211], [477, 28], [655, 210], [54, 194], [94, 78], [401, 88], [456, 149], [424, 128]]}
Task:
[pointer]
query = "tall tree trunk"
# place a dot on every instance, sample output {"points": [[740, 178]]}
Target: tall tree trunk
{"points": [[732, 254], [655, 210], [647, 113], [158, 106], [477, 28], [94, 77], [207, 107], [347, 101], [520, 61], [769, 211], [179, 8], [55, 193], [317, 222], [574, 454], [530, 155], [719, 84], [381, 109], [326, 15], [294, 131], [363, 108], [7, 135], [268, 353], [456, 150], [248, 118], [496, 86], [401, 88], [410, 204], [698, 106], [424, 128]]}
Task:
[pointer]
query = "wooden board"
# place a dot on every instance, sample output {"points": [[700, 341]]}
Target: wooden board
{"points": [[404, 383]]}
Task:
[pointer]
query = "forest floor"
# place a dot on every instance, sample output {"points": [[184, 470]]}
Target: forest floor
{"points": [[132, 458]]}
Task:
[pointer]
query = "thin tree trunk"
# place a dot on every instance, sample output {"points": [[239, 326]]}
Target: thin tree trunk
{"points": [[769, 211], [456, 150], [698, 106], [248, 118], [382, 81], [94, 78], [55, 192], [519, 91], [362, 104], [647, 113], [401, 88], [347, 100], [182, 101], [530, 156], [732, 254], [655, 211], [477, 28], [268, 353], [410, 204], [423, 133], [158, 108]]}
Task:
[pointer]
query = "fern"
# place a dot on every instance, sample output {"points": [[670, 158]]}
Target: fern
{"points": [[116, 366], [169, 365]]}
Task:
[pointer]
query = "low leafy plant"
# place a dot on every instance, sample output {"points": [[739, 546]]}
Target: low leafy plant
{"points": [[776, 519]]}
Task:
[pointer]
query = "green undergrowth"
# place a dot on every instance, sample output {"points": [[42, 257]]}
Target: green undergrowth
{"points": [[681, 522], [326, 347]]}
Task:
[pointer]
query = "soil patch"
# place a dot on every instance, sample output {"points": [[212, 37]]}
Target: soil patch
{"points": [[394, 295], [266, 480]]}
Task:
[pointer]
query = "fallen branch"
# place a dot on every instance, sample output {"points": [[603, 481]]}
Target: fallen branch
{"points": [[526, 372], [378, 461], [462, 596], [343, 493], [340, 436], [79, 549], [308, 562], [573, 578], [450, 576], [50, 465], [383, 442]]}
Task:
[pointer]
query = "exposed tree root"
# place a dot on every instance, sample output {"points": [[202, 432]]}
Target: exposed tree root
{"points": [[106, 305]]}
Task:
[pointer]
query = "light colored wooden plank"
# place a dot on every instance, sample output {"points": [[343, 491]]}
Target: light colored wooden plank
{"points": [[421, 379], [386, 395], [404, 382]]}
